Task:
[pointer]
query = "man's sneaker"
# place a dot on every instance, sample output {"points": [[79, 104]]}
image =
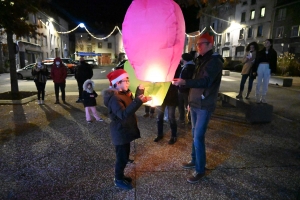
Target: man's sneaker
{"points": [[100, 120], [188, 165], [42, 102], [172, 140], [56, 102], [195, 178], [127, 178], [146, 115], [158, 138], [39, 102], [123, 184]]}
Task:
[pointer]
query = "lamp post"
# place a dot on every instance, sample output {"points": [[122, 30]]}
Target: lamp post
{"points": [[282, 45]]}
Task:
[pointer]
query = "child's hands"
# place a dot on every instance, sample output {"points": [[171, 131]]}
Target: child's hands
{"points": [[144, 98]]}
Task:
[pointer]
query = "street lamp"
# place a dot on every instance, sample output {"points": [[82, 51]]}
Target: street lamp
{"points": [[282, 45]]}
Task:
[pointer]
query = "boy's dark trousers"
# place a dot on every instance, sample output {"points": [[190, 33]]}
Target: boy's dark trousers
{"points": [[122, 155]]}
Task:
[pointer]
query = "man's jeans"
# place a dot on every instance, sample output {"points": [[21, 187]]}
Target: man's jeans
{"points": [[200, 119]]}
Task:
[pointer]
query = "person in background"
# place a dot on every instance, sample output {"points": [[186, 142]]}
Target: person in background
{"points": [[83, 71], [265, 64], [89, 100], [170, 101], [184, 71], [204, 88], [59, 75], [123, 127], [40, 73], [149, 111], [248, 61]]}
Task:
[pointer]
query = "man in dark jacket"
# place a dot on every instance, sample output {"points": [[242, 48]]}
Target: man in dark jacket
{"points": [[184, 71], [202, 100], [123, 127], [83, 71]]}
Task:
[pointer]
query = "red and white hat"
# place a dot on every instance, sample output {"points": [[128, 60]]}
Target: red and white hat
{"points": [[116, 76]]}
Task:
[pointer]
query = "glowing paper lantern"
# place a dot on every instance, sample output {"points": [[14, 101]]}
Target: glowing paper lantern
{"points": [[153, 35], [157, 90]]}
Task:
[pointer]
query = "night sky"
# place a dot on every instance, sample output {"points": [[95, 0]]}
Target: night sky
{"points": [[100, 16]]}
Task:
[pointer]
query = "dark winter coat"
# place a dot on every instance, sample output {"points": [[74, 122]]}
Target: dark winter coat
{"points": [[89, 99], [83, 71], [206, 81], [58, 74], [270, 58], [122, 107], [40, 75], [171, 98], [185, 72]]}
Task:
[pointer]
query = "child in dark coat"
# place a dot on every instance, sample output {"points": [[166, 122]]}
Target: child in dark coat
{"points": [[89, 100], [123, 127]]}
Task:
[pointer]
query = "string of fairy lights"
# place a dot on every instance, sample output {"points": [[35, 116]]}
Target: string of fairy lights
{"points": [[81, 25]]}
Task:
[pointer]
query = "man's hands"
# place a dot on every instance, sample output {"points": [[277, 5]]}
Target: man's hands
{"points": [[144, 98], [178, 81]]}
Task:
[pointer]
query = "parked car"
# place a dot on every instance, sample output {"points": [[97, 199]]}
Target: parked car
{"points": [[26, 71], [66, 61], [91, 62]]}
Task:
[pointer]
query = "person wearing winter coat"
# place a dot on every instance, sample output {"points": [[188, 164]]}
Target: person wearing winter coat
{"points": [[123, 127], [59, 75], [265, 64], [40, 73], [184, 71], [83, 71], [248, 61], [170, 101], [204, 88], [89, 100]]}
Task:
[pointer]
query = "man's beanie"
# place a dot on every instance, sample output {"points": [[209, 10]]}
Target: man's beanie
{"points": [[187, 57], [116, 76], [208, 37]]}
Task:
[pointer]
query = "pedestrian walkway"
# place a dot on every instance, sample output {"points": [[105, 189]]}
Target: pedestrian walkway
{"points": [[50, 152]]}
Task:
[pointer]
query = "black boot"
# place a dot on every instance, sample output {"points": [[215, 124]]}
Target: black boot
{"points": [[247, 95], [240, 95]]}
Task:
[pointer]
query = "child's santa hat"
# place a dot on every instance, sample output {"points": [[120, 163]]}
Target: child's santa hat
{"points": [[116, 76]]}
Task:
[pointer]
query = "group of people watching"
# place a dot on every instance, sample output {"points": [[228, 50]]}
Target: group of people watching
{"points": [[195, 87]]}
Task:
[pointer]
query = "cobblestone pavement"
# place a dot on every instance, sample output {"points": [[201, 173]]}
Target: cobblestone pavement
{"points": [[50, 152]]}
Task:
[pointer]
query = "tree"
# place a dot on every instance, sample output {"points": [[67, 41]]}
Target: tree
{"points": [[205, 7], [13, 17]]}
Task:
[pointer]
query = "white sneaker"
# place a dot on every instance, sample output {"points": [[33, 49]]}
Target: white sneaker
{"points": [[39, 102], [42, 102], [263, 99]]}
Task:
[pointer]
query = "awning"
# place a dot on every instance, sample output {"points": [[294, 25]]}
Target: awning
{"points": [[87, 54]]}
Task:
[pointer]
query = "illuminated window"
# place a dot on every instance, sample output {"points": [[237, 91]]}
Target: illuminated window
{"points": [[225, 53], [262, 11], [252, 16]]}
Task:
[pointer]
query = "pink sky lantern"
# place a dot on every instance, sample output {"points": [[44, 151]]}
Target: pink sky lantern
{"points": [[153, 36]]}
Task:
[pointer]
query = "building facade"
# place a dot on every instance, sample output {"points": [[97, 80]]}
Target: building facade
{"points": [[108, 48], [48, 43]]}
